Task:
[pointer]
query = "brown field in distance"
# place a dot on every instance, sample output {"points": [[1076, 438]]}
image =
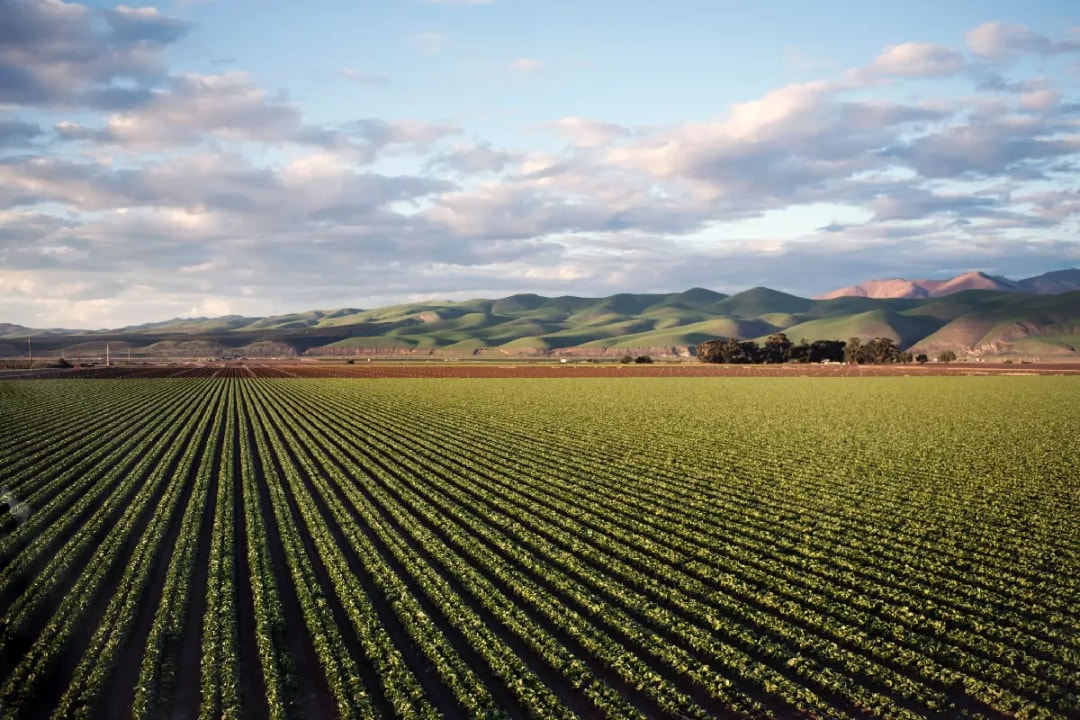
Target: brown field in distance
{"points": [[377, 369]]}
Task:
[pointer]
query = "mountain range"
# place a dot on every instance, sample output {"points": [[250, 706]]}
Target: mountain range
{"points": [[1050, 283], [970, 322]]}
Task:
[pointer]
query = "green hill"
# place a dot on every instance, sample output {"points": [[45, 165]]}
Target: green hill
{"points": [[975, 322], [761, 301]]}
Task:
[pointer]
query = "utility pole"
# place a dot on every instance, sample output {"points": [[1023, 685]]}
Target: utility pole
{"points": [[106, 354], [29, 354], [77, 361]]}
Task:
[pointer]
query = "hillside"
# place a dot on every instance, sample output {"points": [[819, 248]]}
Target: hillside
{"points": [[1050, 283], [970, 322]]}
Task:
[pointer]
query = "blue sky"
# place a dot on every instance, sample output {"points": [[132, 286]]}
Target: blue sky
{"points": [[206, 157]]}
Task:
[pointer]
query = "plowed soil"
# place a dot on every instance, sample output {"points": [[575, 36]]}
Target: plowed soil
{"points": [[542, 370]]}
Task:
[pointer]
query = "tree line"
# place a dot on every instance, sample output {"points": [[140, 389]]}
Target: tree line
{"points": [[778, 348]]}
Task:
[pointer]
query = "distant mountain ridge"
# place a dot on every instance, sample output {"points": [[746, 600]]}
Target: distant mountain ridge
{"points": [[974, 322], [1051, 283]]}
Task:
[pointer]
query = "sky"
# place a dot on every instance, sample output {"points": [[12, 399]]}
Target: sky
{"points": [[197, 158]]}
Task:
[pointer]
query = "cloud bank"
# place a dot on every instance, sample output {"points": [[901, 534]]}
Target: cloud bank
{"points": [[134, 191]]}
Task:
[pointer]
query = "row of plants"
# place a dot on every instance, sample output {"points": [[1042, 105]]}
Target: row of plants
{"points": [[501, 549], [399, 684], [515, 543], [83, 425], [220, 676], [160, 660], [62, 545], [61, 477], [714, 500], [83, 693], [886, 626], [277, 665], [339, 668], [469, 690], [1056, 673], [136, 530]]}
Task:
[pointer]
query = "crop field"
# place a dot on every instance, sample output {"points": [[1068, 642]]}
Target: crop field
{"points": [[653, 547]]}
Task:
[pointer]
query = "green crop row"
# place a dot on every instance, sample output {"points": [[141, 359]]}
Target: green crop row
{"points": [[683, 548]]}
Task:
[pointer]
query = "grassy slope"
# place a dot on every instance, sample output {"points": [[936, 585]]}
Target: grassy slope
{"points": [[530, 323], [999, 320]]}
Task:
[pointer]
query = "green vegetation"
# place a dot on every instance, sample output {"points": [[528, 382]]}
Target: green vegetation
{"points": [[992, 322], [779, 349], [640, 359], [629, 548]]}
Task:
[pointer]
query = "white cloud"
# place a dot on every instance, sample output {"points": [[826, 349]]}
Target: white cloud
{"points": [[915, 59], [1039, 100], [589, 133], [472, 158], [211, 193], [57, 54], [211, 307], [398, 135], [756, 118], [230, 107], [996, 40]]}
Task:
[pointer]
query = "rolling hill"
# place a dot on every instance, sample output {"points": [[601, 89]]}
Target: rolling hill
{"points": [[1050, 283], [970, 322]]}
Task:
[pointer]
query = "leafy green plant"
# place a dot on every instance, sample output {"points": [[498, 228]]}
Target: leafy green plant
{"points": [[760, 547]]}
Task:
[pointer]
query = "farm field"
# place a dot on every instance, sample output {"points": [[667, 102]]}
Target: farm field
{"points": [[649, 547], [543, 369]]}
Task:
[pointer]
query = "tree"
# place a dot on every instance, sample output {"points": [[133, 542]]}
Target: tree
{"points": [[643, 360], [921, 358], [777, 348], [879, 351], [853, 352], [827, 351], [946, 356], [708, 351], [801, 353], [626, 359], [723, 350], [748, 352]]}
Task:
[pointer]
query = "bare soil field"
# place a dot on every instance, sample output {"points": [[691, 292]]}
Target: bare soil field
{"points": [[376, 370], [371, 370]]}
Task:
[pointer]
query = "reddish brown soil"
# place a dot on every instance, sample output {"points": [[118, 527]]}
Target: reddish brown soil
{"points": [[536, 370], [544, 370]]}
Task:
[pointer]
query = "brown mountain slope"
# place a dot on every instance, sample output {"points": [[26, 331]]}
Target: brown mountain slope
{"points": [[1050, 283], [971, 281], [889, 288]]}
